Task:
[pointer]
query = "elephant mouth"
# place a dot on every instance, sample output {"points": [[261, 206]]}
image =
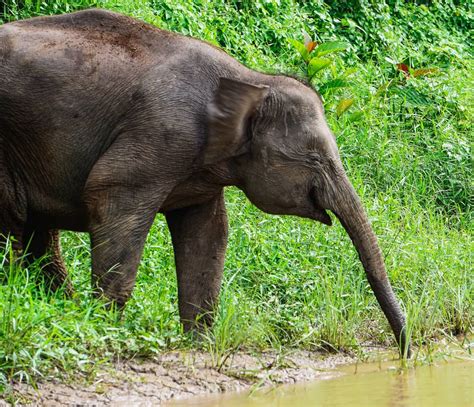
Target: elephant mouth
{"points": [[319, 213], [322, 216]]}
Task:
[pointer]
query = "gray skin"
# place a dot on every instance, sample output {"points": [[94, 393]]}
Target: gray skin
{"points": [[106, 121]]}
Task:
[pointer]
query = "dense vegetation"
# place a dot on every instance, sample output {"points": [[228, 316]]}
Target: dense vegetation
{"points": [[289, 282]]}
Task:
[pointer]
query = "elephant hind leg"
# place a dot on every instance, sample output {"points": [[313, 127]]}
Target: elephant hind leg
{"points": [[44, 244]]}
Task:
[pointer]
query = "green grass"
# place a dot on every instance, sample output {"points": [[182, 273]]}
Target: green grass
{"points": [[291, 282]]}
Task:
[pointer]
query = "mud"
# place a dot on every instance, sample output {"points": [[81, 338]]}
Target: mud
{"points": [[180, 375]]}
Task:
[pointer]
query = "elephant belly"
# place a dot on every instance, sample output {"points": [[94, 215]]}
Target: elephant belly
{"points": [[194, 191], [52, 213]]}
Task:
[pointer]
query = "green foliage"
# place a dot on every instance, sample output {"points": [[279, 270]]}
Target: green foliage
{"points": [[398, 99], [312, 55], [11, 10]]}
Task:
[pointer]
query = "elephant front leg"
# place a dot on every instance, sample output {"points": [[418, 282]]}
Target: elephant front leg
{"points": [[121, 203], [199, 235], [117, 242]]}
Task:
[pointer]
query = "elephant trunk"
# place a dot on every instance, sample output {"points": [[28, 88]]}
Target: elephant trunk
{"points": [[351, 214]]}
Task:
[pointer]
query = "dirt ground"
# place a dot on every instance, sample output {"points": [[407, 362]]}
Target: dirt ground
{"points": [[180, 376]]}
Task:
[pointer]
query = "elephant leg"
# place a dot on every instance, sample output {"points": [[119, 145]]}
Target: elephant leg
{"points": [[13, 217], [13, 214], [44, 244], [199, 235], [123, 192], [117, 241]]}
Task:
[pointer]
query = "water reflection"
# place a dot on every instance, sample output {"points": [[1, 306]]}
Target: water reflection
{"points": [[444, 384]]}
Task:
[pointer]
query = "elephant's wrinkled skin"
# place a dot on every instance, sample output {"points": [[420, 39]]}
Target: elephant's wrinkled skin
{"points": [[105, 121]]}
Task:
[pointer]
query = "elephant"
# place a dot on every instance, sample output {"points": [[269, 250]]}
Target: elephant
{"points": [[106, 121]]}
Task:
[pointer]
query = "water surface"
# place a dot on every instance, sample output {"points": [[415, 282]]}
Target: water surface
{"points": [[377, 384]]}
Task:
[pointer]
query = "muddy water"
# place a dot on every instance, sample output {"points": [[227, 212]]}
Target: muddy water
{"points": [[378, 384]]}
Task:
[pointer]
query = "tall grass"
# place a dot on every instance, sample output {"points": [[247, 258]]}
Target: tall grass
{"points": [[290, 282]]}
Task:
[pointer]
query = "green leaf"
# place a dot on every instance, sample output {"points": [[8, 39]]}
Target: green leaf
{"points": [[317, 64], [333, 84], [343, 105], [382, 89], [355, 116], [348, 72], [300, 47], [412, 96], [330, 47]]}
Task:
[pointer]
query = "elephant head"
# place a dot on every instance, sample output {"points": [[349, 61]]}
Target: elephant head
{"points": [[278, 148]]}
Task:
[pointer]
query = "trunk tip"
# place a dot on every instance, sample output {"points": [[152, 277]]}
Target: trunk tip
{"points": [[404, 344]]}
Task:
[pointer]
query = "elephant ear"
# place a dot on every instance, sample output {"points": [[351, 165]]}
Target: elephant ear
{"points": [[228, 116]]}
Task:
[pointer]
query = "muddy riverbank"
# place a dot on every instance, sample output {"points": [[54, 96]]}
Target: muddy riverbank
{"points": [[185, 378], [178, 376]]}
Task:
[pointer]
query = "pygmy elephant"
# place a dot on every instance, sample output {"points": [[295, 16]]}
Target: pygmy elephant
{"points": [[106, 121]]}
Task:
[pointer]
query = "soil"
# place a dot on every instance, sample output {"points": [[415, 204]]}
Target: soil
{"points": [[179, 376]]}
